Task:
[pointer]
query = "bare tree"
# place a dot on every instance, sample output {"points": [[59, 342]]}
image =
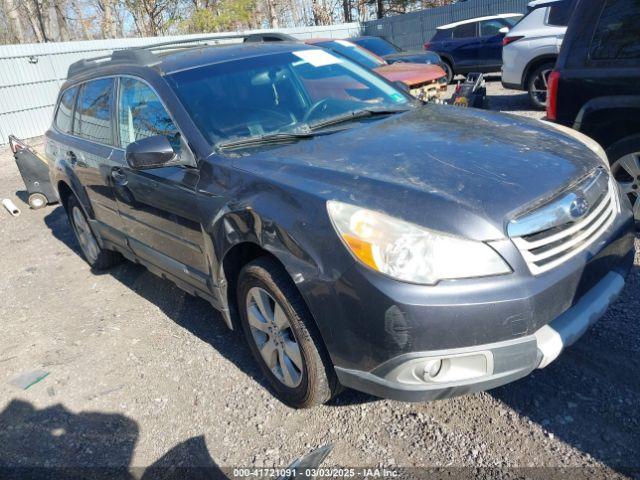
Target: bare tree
{"points": [[12, 12]]}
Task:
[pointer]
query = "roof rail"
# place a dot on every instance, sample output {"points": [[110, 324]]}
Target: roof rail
{"points": [[143, 55]]}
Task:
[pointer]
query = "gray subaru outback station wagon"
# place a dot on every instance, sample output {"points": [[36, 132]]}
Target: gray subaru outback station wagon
{"points": [[356, 236]]}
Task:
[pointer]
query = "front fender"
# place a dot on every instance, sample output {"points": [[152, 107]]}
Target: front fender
{"points": [[289, 224]]}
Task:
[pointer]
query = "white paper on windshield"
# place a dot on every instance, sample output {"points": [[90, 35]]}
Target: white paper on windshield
{"points": [[317, 58], [344, 43]]}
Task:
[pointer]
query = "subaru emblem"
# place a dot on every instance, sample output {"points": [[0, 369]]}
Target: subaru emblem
{"points": [[578, 207]]}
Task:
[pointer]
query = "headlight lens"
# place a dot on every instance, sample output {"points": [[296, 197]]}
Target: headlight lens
{"points": [[581, 137], [409, 252]]}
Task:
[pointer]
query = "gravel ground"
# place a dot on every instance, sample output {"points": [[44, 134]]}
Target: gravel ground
{"points": [[142, 374]]}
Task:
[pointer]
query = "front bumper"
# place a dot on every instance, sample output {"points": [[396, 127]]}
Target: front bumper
{"points": [[383, 332], [490, 365]]}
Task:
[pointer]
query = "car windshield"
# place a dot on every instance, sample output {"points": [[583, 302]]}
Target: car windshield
{"points": [[378, 46], [353, 52], [287, 92]]}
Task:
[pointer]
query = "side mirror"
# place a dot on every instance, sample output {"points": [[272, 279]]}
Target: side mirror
{"points": [[504, 30], [151, 152], [401, 85]]}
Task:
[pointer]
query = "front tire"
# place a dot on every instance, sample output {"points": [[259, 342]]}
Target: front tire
{"points": [[448, 70], [625, 168], [97, 257], [282, 336], [537, 86]]}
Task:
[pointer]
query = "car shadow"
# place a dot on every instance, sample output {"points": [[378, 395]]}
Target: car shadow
{"points": [[589, 397], [54, 442], [191, 313], [509, 103]]}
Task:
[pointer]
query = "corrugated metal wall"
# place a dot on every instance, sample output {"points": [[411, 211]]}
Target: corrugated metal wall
{"points": [[411, 30], [31, 75]]}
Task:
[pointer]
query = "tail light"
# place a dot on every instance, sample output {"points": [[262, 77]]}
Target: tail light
{"points": [[552, 95], [427, 45], [507, 40]]}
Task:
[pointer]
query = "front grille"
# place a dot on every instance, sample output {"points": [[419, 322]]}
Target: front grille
{"points": [[549, 248]]}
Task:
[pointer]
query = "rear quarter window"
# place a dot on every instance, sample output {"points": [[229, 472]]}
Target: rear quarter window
{"points": [[560, 13], [442, 35], [466, 30], [63, 120], [617, 33]]}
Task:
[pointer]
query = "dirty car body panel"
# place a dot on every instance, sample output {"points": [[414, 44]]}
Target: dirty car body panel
{"points": [[468, 173]]}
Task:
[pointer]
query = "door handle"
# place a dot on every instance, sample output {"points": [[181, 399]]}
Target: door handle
{"points": [[119, 176]]}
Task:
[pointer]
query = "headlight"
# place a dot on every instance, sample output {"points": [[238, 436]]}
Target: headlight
{"points": [[581, 137], [409, 252]]}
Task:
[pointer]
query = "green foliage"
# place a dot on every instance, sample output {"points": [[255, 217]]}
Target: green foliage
{"points": [[225, 15]]}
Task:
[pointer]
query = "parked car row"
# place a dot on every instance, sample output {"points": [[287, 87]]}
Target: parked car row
{"points": [[358, 236], [578, 59], [424, 78]]}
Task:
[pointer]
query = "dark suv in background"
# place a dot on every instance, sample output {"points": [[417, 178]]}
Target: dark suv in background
{"points": [[357, 236], [595, 87], [473, 45]]}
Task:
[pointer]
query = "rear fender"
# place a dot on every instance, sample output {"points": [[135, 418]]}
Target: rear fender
{"points": [[609, 119]]}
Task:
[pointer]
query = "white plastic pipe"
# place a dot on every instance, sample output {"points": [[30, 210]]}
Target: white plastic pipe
{"points": [[11, 207]]}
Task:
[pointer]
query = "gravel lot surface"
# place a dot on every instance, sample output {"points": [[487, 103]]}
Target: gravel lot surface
{"points": [[142, 374]]}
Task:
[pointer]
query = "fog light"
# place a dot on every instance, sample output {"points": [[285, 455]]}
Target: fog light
{"points": [[432, 368]]}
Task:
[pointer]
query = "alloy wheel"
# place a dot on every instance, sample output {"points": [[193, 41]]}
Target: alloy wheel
{"points": [[539, 87], [626, 171], [274, 337], [85, 237]]}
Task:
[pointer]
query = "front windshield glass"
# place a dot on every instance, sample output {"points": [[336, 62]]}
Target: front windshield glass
{"points": [[279, 93], [378, 46], [354, 52]]}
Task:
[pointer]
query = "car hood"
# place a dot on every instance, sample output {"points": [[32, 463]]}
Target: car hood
{"points": [[457, 170], [412, 74], [416, 56]]}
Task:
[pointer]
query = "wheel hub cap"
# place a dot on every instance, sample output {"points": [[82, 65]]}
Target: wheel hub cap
{"points": [[85, 237], [274, 337], [626, 171]]}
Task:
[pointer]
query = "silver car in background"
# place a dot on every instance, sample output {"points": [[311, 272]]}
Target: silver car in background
{"points": [[531, 47]]}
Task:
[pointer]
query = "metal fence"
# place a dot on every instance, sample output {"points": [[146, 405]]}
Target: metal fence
{"points": [[411, 30], [31, 75]]}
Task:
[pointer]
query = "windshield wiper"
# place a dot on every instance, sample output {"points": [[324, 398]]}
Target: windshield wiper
{"points": [[263, 139], [355, 115]]}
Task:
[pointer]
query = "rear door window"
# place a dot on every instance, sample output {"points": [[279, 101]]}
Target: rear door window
{"points": [[617, 34], [467, 30], [93, 111], [560, 13], [63, 119]]}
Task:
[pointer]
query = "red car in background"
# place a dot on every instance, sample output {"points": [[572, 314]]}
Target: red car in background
{"points": [[425, 82]]}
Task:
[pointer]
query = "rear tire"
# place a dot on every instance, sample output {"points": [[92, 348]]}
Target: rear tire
{"points": [[282, 336], [537, 85], [97, 257], [37, 200], [625, 168]]}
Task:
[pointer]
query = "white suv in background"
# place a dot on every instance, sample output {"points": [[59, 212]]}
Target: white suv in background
{"points": [[531, 47]]}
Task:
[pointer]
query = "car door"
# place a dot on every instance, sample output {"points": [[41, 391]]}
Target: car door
{"points": [[92, 154], [490, 43], [158, 206], [464, 45]]}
